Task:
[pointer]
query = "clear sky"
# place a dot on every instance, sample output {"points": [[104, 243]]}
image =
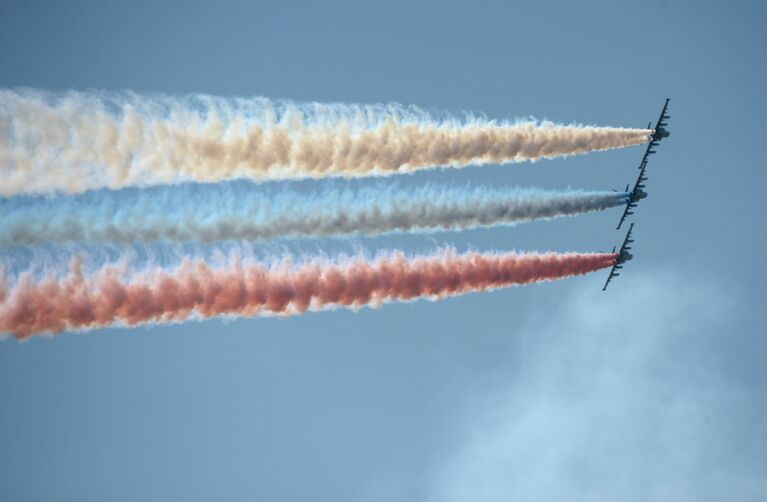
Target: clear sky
{"points": [[651, 391]]}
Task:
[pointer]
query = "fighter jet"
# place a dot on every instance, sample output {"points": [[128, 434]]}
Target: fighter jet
{"points": [[635, 196], [623, 257], [658, 134]]}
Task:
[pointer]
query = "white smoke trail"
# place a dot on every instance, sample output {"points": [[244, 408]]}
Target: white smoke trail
{"points": [[76, 141], [240, 210]]}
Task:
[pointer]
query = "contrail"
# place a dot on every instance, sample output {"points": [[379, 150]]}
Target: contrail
{"points": [[82, 301], [73, 142], [242, 211]]}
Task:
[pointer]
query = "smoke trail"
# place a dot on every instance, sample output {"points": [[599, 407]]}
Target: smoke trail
{"points": [[86, 301], [78, 141], [238, 211]]}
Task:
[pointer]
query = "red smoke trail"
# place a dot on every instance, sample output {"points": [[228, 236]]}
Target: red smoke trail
{"points": [[82, 301]]}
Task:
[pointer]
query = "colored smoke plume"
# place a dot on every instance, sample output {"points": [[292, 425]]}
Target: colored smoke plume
{"points": [[195, 289]]}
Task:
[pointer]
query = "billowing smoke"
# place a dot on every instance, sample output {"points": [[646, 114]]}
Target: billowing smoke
{"points": [[74, 142], [242, 210], [113, 295]]}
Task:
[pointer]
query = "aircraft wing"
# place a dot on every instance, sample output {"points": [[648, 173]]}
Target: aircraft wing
{"points": [[613, 273], [626, 213], [649, 151], [663, 116], [625, 248], [659, 125]]}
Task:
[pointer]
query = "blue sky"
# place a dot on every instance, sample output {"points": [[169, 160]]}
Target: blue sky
{"points": [[652, 391]]}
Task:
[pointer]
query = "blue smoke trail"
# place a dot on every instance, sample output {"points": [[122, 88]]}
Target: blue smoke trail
{"points": [[245, 211]]}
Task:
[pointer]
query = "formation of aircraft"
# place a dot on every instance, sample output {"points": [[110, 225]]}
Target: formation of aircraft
{"points": [[638, 193]]}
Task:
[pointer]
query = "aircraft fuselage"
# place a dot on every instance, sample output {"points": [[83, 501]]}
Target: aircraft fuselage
{"points": [[660, 133]]}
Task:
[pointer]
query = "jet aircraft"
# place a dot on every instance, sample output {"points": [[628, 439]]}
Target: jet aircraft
{"points": [[658, 134], [623, 256], [636, 194]]}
